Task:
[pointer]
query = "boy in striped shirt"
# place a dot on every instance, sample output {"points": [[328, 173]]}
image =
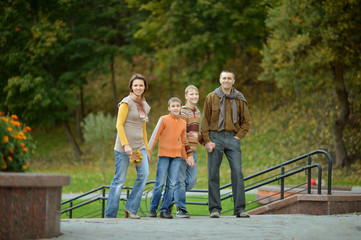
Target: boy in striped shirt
{"points": [[187, 176]]}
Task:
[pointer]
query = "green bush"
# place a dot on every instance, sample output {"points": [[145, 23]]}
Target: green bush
{"points": [[98, 128]]}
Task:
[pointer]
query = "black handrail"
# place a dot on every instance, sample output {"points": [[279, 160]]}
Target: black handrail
{"points": [[278, 177], [275, 179]]}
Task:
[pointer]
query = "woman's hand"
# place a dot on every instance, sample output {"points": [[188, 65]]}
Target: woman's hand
{"points": [[148, 155], [128, 149]]}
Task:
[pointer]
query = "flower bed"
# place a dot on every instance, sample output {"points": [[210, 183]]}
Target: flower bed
{"points": [[16, 144]]}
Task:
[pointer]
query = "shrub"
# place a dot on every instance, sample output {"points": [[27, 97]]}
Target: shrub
{"points": [[16, 144], [98, 128]]}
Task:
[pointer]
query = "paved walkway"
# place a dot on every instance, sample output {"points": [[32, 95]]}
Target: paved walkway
{"points": [[197, 228]]}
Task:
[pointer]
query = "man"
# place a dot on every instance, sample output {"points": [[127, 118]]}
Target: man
{"points": [[226, 120]]}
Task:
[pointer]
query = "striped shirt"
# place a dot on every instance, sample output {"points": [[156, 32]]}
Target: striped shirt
{"points": [[192, 118]]}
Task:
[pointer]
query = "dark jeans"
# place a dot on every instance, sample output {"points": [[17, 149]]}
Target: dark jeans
{"points": [[225, 143]]}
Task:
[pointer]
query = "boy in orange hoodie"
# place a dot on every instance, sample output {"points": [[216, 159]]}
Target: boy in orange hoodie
{"points": [[171, 132]]}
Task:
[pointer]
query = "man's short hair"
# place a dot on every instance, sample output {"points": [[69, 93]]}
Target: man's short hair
{"points": [[227, 71], [174, 99]]}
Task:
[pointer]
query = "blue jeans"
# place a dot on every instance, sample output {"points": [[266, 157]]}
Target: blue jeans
{"points": [[121, 168], [187, 179], [170, 166], [225, 143]]}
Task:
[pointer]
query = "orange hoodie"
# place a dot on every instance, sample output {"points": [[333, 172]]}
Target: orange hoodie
{"points": [[171, 132]]}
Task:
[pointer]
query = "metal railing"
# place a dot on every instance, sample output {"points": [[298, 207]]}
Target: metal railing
{"points": [[278, 177]]}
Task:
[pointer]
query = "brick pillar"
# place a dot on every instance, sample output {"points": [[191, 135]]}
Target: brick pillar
{"points": [[30, 205]]}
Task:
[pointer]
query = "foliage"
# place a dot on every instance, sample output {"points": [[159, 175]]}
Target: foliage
{"points": [[306, 36], [315, 46], [32, 56], [98, 129], [193, 40], [16, 145], [136, 158]]}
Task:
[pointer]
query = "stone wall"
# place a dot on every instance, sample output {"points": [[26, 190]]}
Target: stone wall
{"points": [[30, 205]]}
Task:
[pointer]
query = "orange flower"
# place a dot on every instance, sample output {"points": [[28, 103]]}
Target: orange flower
{"points": [[10, 129], [21, 134], [14, 117], [15, 123], [21, 144], [24, 167], [11, 152], [10, 159], [4, 165], [1, 114], [25, 150], [6, 139], [28, 129], [24, 137]]}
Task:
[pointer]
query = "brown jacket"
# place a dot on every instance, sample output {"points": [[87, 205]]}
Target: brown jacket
{"points": [[211, 113]]}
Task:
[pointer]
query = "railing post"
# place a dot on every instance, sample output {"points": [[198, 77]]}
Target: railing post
{"points": [[282, 183], [319, 185], [309, 175], [71, 211], [329, 173], [103, 203]]}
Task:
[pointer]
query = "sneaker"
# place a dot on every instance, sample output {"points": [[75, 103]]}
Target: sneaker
{"points": [[214, 215], [182, 213], [171, 207], [166, 215], [152, 213], [242, 215]]}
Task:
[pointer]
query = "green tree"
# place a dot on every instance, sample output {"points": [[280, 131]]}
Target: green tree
{"points": [[314, 46], [48, 51], [194, 40]]}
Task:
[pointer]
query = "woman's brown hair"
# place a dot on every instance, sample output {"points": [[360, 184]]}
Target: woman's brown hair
{"points": [[139, 77]]}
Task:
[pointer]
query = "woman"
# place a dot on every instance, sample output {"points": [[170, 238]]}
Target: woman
{"points": [[131, 135]]}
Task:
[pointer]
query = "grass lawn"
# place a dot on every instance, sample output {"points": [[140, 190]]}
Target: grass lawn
{"points": [[94, 209]]}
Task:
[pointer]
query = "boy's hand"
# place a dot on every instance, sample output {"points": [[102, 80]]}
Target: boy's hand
{"points": [[190, 161]]}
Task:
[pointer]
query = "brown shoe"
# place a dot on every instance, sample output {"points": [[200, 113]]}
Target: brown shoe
{"points": [[129, 213]]}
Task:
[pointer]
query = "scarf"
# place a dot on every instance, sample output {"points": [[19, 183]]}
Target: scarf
{"points": [[222, 104], [140, 106]]}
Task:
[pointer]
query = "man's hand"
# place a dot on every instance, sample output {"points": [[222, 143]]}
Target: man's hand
{"points": [[210, 146]]}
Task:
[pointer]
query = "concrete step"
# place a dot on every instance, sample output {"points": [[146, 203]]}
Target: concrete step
{"points": [[310, 204]]}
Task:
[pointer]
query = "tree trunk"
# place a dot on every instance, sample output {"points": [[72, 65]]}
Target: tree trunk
{"points": [[113, 85], [342, 119], [77, 122], [72, 141]]}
